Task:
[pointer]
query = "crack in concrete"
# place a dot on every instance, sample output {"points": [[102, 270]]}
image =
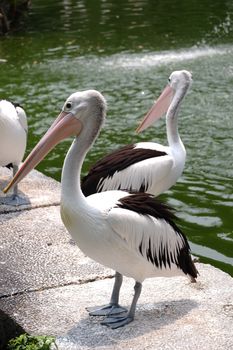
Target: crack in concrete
{"points": [[89, 280], [18, 209]]}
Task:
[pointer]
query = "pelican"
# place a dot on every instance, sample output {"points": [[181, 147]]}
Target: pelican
{"points": [[132, 233], [13, 140], [146, 166]]}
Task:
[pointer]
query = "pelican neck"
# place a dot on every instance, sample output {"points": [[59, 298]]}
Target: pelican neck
{"points": [[172, 118], [71, 172]]}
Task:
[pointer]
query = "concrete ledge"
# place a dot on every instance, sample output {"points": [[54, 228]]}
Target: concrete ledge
{"points": [[171, 314], [38, 189], [36, 252], [46, 282]]}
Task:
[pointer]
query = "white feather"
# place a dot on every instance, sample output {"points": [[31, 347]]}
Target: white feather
{"points": [[13, 137]]}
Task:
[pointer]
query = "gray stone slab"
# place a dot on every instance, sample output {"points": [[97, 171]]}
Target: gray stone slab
{"points": [[171, 314], [38, 189], [46, 282], [37, 252]]}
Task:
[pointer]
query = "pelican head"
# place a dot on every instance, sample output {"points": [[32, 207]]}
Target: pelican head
{"points": [[180, 79], [178, 82]]}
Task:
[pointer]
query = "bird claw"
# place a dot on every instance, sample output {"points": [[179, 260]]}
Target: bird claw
{"points": [[116, 322], [106, 310]]}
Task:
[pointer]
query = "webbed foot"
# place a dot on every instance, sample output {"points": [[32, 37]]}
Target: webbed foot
{"points": [[106, 310], [116, 322], [14, 200]]}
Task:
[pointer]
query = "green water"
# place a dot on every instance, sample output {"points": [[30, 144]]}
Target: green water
{"points": [[127, 50]]}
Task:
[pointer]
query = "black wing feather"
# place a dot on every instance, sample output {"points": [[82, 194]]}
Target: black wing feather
{"points": [[146, 204], [116, 161]]}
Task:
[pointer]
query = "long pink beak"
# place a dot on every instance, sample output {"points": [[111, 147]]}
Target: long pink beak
{"points": [[64, 126], [159, 108]]}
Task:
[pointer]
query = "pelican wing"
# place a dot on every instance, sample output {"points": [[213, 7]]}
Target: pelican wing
{"points": [[129, 168], [144, 176], [146, 226]]}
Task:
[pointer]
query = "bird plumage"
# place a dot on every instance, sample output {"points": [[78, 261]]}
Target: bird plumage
{"points": [[13, 133], [117, 170], [13, 140], [137, 234]]}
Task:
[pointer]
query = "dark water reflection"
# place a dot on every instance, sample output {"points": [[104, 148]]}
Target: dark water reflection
{"points": [[125, 25], [127, 49]]}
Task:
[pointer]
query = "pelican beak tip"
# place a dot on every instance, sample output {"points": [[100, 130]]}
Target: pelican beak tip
{"points": [[5, 190]]}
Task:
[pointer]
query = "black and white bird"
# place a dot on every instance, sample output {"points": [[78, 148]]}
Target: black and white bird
{"points": [[134, 234], [13, 141], [146, 166]]}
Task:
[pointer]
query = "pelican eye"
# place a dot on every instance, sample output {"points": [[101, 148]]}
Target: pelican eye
{"points": [[169, 80], [68, 105]]}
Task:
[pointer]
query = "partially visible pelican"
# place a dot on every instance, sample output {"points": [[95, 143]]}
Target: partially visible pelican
{"points": [[13, 140], [146, 166], [134, 234]]}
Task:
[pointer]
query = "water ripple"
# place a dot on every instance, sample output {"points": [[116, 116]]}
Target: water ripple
{"points": [[210, 253]]}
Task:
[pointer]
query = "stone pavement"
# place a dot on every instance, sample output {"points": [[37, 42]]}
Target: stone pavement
{"points": [[46, 283]]}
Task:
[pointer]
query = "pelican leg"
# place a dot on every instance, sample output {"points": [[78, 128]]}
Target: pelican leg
{"points": [[113, 307], [120, 321], [15, 198]]}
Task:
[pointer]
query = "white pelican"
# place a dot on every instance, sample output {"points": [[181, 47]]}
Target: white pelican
{"points": [[13, 140], [146, 166], [134, 234]]}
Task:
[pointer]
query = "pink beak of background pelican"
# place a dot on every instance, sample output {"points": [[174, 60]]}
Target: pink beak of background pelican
{"points": [[159, 108], [64, 126]]}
